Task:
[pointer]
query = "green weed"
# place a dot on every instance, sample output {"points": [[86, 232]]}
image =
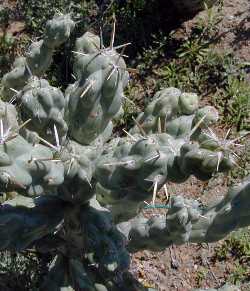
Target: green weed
{"points": [[240, 274], [236, 245], [35, 13], [201, 276], [234, 102], [237, 248], [7, 41]]}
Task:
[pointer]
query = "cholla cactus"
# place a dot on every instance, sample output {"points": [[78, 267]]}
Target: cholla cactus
{"points": [[79, 191]]}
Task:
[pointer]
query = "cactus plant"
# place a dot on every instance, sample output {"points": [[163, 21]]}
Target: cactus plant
{"points": [[78, 190]]}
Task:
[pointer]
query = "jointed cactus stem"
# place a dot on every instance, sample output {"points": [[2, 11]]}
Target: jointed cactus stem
{"points": [[79, 190]]}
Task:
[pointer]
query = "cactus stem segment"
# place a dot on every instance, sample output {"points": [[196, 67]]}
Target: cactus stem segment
{"points": [[83, 175]]}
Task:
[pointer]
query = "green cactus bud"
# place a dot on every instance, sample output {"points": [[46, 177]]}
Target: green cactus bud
{"points": [[188, 103]]}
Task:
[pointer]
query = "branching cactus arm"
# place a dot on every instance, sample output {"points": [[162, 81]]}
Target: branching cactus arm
{"points": [[96, 96], [187, 221], [44, 105], [39, 57], [139, 165]]}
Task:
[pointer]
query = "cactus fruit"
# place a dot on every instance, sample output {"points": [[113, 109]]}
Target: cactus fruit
{"points": [[78, 191]]}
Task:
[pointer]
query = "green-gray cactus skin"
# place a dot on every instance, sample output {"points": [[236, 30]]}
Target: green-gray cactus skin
{"points": [[45, 106], [96, 97], [129, 171], [104, 248], [174, 112], [188, 221], [39, 56], [28, 169], [79, 167], [8, 118], [128, 174]]}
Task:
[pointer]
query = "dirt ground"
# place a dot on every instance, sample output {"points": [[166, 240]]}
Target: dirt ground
{"points": [[191, 266]]}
